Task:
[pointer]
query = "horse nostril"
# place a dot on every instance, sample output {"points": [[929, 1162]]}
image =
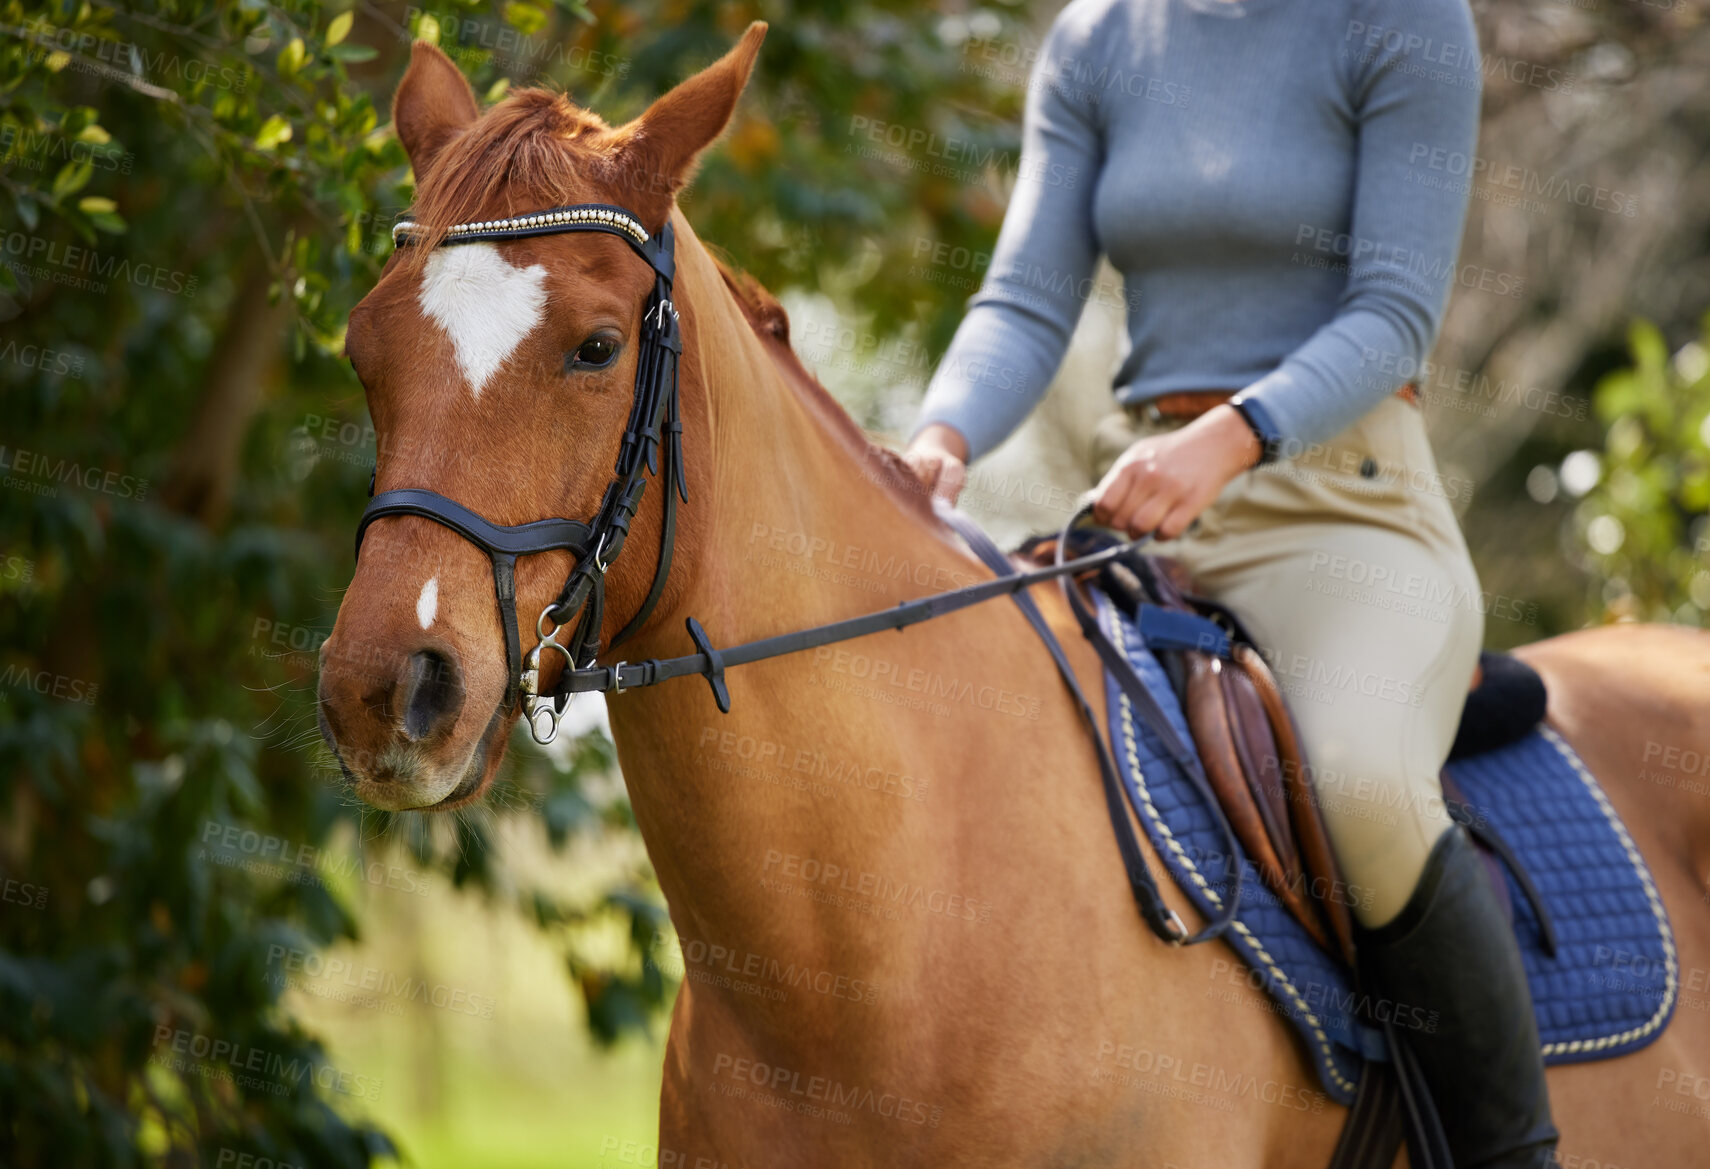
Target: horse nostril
{"points": [[433, 694]]}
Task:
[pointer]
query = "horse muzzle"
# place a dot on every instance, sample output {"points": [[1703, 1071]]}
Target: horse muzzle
{"points": [[400, 727]]}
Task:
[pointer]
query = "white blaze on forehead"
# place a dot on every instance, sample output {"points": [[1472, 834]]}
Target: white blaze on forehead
{"points": [[427, 605], [484, 305]]}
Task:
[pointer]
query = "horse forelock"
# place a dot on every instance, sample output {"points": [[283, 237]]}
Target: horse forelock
{"points": [[533, 150]]}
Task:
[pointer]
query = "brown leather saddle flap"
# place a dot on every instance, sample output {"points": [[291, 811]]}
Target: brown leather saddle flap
{"points": [[1253, 761]]}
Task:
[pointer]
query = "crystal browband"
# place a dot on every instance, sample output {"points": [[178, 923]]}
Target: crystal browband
{"points": [[536, 223]]}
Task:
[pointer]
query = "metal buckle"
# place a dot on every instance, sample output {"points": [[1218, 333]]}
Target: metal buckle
{"points": [[540, 710], [617, 677], [600, 552], [1178, 931]]}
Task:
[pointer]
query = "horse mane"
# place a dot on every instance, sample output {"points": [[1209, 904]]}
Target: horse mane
{"points": [[519, 148], [771, 324]]}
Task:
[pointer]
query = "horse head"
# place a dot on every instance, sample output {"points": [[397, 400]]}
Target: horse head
{"points": [[500, 375]]}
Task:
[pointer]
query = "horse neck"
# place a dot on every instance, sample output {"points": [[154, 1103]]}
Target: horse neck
{"points": [[790, 524], [929, 821], [777, 461]]}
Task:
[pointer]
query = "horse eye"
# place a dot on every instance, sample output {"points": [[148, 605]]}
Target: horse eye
{"points": [[594, 353]]}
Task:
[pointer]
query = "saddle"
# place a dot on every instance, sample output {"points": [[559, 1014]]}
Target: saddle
{"points": [[1250, 748]]}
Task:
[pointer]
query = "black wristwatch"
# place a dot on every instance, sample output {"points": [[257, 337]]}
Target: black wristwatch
{"points": [[1264, 428]]}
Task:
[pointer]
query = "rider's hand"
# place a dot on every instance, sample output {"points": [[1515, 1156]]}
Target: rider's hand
{"points": [[939, 456], [1162, 483]]}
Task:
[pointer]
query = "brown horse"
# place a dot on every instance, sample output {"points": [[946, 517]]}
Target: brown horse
{"points": [[907, 937]]}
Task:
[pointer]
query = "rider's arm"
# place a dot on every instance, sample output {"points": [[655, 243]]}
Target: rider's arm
{"points": [[1417, 112], [1019, 324]]}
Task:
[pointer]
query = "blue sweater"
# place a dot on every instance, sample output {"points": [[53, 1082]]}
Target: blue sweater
{"points": [[1276, 180]]}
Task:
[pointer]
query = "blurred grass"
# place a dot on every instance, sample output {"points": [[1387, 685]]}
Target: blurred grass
{"points": [[525, 1088]]}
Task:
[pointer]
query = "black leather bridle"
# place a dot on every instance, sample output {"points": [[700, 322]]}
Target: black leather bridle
{"points": [[654, 426]]}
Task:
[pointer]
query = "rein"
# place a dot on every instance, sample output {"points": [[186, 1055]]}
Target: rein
{"points": [[654, 426]]}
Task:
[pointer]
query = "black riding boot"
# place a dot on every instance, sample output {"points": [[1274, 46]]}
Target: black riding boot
{"points": [[1451, 952]]}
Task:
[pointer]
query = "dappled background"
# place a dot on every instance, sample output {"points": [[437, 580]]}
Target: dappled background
{"points": [[208, 951]]}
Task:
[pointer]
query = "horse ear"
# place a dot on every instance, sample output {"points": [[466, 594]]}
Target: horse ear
{"points": [[433, 105], [660, 147]]}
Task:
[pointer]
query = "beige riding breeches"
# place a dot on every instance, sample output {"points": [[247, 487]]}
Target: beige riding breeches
{"points": [[1348, 568]]}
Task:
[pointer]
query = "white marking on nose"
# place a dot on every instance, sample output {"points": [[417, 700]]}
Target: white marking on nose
{"points": [[485, 305], [427, 605]]}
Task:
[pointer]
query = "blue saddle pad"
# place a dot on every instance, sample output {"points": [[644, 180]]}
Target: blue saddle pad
{"points": [[1611, 987]]}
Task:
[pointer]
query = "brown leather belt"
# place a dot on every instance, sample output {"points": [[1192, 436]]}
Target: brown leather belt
{"points": [[1186, 405]]}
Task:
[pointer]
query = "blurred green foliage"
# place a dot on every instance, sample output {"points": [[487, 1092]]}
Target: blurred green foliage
{"points": [[193, 194], [1644, 524]]}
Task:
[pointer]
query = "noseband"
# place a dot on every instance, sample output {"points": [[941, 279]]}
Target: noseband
{"points": [[653, 425]]}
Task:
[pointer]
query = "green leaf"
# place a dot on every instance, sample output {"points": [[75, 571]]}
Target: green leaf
{"points": [[71, 178], [28, 213], [291, 57], [273, 132], [577, 9], [526, 18], [339, 28], [351, 54]]}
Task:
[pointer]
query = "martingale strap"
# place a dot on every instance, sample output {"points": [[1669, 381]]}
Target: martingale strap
{"points": [[651, 445]]}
